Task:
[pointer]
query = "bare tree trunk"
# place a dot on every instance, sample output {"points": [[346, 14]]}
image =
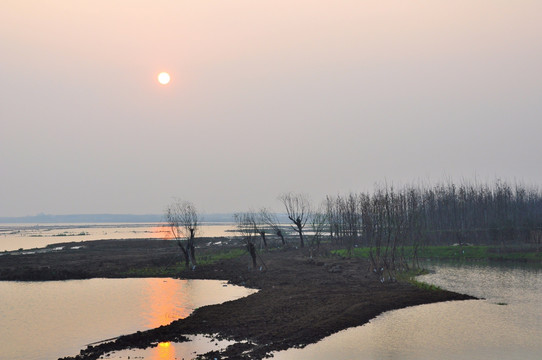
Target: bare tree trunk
{"points": [[191, 247], [279, 234], [252, 251], [300, 232], [192, 253], [185, 254], [262, 234]]}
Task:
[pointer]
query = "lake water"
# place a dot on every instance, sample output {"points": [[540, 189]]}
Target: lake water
{"points": [[48, 320], [469, 330], [473, 329], [25, 236]]}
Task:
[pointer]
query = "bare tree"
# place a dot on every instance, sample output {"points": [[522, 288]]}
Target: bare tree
{"points": [[333, 217], [318, 224], [260, 226], [298, 210], [246, 226], [183, 221], [272, 222]]}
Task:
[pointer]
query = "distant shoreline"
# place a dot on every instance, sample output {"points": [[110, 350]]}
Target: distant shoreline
{"points": [[103, 218]]}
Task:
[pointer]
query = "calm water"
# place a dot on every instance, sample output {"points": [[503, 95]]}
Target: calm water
{"points": [[474, 329], [470, 330], [48, 320], [25, 236]]}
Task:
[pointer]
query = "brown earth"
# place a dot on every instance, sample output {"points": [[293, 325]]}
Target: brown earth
{"points": [[301, 299]]}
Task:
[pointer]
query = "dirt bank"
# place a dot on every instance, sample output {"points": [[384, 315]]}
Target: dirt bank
{"points": [[300, 301]]}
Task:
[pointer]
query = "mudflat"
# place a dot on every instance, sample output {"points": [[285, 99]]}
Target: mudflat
{"points": [[301, 299]]}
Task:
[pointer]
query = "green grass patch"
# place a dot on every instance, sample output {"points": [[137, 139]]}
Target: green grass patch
{"points": [[176, 269], [454, 252], [215, 257], [424, 286], [410, 277], [477, 252], [355, 252], [514, 254]]}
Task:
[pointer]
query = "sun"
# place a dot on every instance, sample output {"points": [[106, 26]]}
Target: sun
{"points": [[163, 78]]}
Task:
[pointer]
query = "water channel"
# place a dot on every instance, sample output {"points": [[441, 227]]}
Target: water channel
{"points": [[507, 324], [48, 320]]}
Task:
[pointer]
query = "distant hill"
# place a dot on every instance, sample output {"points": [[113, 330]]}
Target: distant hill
{"points": [[103, 218]]}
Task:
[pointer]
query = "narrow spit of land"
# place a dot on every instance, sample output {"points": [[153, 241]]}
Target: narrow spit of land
{"points": [[301, 299]]}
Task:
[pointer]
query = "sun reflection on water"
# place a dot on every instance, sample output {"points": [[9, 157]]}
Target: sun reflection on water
{"points": [[164, 351], [162, 232], [162, 301], [165, 302]]}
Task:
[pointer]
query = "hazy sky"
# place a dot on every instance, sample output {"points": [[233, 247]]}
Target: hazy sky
{"points": [[266, 97]]}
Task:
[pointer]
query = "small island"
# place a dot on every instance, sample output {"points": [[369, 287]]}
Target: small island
{"points": [[301, 299]]}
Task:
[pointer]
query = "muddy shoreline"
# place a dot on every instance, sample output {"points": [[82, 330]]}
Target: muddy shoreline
{"points": [[301, 299]]}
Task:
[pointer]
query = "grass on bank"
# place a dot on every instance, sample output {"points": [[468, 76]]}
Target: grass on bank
{"points": [[410, 277], [477, 252], [216, 257], [178, 267]]}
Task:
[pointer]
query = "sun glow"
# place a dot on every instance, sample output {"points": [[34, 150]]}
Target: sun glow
{"points": [[162, 232], [164, 351], [165, 302], [163, 78]]}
